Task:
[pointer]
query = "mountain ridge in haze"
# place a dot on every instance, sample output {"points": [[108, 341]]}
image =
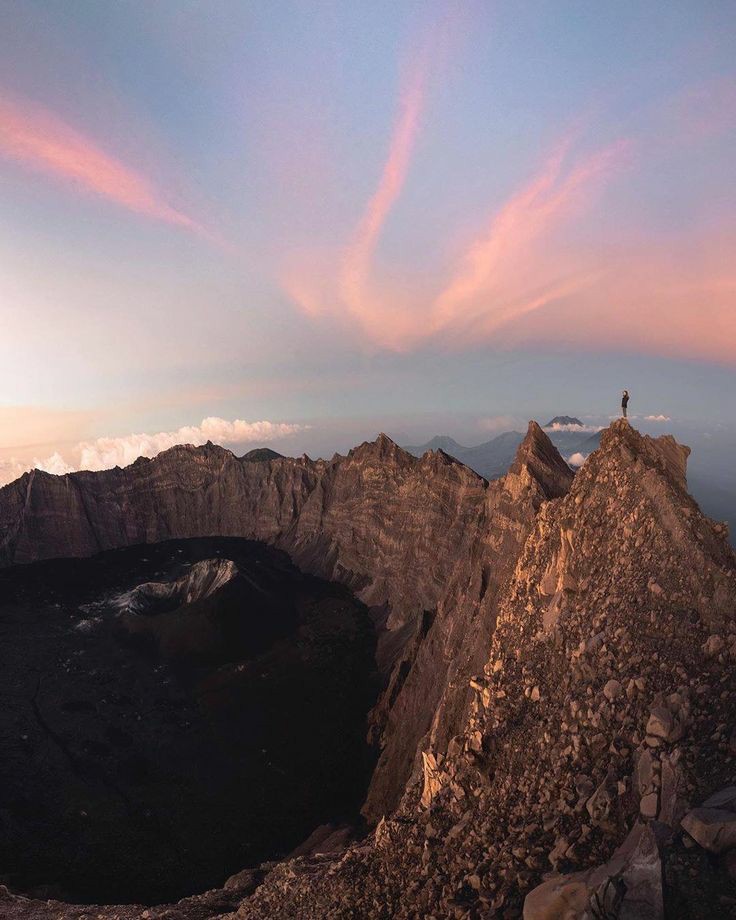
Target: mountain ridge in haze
{"points": [[492, 458]]}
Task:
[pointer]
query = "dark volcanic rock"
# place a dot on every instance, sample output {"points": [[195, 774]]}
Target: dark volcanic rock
{"points": [[158, 735]]}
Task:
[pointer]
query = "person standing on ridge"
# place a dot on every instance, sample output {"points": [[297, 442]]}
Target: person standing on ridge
{"points": [[624, 402]]}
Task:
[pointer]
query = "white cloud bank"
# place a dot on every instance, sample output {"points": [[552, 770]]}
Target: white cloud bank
{"points": [[105, 453], [657, 418], [577, 428], [577, 459]]}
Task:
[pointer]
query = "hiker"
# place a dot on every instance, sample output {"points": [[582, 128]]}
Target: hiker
{"points": [[624, 402]]}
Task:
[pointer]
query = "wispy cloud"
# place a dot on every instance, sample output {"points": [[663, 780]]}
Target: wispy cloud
{"points": [[105, 453], [677, 300], [496, 423], [341, 282], [357, 262], [37, 139], [491, 286], [509, 271]]}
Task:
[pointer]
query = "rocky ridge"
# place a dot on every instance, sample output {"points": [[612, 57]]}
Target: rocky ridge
{"points": [[424, 542], [588, 704], [594, 715]]}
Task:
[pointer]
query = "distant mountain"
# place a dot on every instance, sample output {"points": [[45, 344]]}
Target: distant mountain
{"points": [[564, 420], [493, 458], [490, 459], [259, 454], [439, 442]]}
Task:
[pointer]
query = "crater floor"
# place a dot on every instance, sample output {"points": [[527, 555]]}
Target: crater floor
{"points": [[154, 741]]}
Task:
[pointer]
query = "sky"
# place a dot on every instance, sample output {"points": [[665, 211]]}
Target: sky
{"points": [[301, 223]]}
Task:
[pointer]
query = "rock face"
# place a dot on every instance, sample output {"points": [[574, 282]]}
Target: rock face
{"points": [[203, 579], [558, 698], [592, 711], [407, 535]]}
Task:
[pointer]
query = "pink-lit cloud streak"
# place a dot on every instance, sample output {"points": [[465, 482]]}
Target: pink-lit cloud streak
{"points": [[490, 288], [512, 268], [521, 281], [37, 139], [677, 301], [356, 265]]}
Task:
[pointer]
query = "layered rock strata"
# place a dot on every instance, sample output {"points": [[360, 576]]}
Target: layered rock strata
{"points": [[605, 707], [414, 539]]}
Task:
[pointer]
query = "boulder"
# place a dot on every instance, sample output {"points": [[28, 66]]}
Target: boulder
{"points": [[713, 828], [713, 645], [600, 805], [644, 773], [672, 805], [661, 722], [663, 725], [565, 897], [628, 886], [649, 805]]}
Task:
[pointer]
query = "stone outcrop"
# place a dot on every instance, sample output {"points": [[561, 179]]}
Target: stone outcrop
{"points": [[627, 887], [713, 824], [202, 580]]}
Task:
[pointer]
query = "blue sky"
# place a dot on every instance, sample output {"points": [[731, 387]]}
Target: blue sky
{"points": [[358, 216]]}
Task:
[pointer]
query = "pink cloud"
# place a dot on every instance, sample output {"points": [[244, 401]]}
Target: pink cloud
{"points": [[504, 275], [37, 139], [677, 300], [531, 275], [516, 267], [341, 283], [357, 262]]}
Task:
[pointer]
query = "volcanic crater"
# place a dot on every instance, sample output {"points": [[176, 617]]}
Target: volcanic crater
{"points": [[172, 713]]}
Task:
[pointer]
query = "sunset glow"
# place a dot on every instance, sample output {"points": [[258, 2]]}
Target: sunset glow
{"points": [[38, 140], [304, 213]]}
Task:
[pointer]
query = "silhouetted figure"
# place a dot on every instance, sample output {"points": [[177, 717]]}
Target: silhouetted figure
{"points": [[624, 402]]}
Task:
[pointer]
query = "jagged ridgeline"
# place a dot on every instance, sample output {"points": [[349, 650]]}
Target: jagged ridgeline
{"points": [[559, 691]]}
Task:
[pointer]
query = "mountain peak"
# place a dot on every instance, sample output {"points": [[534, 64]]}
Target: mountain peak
{"points": [[664, 451], [259, 454], [445, 443], [383, 447], [560, 420], [539, 458]]}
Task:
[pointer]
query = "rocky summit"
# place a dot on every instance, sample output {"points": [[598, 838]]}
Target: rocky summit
{"points": [[556, 733]]}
